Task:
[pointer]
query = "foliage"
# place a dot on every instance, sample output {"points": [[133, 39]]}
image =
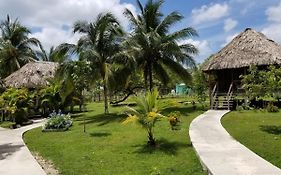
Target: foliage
{"points": [[154, 48], [15, 46], [50, 96], [15, 102], [147, 113], [57, 121], [200, 86], [262, 83], [174, 119], [271, 108]]}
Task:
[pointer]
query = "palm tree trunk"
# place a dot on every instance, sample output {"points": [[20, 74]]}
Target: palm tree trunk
{"points": [[151, 140], [105, 98], [150, 77]]}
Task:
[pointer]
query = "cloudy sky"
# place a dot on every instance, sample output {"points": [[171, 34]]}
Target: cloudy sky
{"points": [[216, 21]]}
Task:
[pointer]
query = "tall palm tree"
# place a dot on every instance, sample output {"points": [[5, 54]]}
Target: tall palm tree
{"points": [[155, 48], [15, 46], [99, 43]]}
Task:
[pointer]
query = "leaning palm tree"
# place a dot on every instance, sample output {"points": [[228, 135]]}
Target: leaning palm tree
{"points": [[98, 45], [15, 46], [155, 48]]}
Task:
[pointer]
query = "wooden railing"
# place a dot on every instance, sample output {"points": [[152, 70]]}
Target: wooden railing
{"points": [[213, 95], [229, 95]]}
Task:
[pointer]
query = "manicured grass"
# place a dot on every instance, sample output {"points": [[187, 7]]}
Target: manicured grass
{"points": [[109, 147], [257, 130]]}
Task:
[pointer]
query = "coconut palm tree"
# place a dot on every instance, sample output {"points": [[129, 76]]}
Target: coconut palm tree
{"points": [[155, 48], [99, 43], [15, 46]]}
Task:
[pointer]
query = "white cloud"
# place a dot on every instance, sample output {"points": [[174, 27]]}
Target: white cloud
{"points": [[274, 13], [229, 39], [52, 15], [273, 32], [229, 24], [51, 36], [203, 47], [209, 13]]}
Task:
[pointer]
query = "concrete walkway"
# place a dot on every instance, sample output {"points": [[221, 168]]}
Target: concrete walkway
{"points": [[220, 154], [15, 158]]}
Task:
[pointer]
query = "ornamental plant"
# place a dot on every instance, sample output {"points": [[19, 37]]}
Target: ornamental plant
{"points": [[146, 114], [57, 122], [174, 120]]}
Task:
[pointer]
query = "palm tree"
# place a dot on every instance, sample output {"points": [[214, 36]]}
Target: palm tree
{"points": [[147, 113], [15, 46], [99, 43], [155, 48]]}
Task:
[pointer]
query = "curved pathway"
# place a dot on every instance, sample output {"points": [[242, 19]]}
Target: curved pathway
{"points": [[220, 154], [15, 158]]}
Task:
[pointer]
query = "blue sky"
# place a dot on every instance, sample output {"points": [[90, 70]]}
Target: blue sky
{"points": [[217, 21]]}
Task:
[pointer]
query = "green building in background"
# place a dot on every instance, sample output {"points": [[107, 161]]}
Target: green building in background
{"points": [[182, 89]]}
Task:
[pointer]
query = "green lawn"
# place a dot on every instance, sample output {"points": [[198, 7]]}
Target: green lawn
{"points": [[259, 131], [108, 147]]}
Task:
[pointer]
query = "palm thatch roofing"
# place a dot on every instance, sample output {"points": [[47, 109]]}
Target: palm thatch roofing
{"points": [[31, 75], [246, 49]]}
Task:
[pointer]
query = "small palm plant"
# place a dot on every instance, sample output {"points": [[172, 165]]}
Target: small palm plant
{"points": [[146, 114]]}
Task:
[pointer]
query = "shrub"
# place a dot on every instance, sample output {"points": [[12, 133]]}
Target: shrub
{"points": [[57, 122], [271, 108], [240, 108], [174, 120]]}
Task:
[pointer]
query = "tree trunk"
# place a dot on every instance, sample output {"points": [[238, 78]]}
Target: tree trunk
{"points": [[105, 98], [151, 140], [150, 77]]}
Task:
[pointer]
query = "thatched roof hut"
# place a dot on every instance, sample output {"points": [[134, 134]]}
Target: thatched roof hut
{"points": [[246, 49], [31, 75]]}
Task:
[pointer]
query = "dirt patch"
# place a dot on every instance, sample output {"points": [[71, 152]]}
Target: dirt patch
{"points": [[47, 165]]}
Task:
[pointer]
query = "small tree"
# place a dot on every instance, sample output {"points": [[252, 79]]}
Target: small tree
{"points": [[147, 113], [254, 83], [200, 86]]}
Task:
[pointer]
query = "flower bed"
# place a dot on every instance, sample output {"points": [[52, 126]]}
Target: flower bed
{"points": [[57, 122]]}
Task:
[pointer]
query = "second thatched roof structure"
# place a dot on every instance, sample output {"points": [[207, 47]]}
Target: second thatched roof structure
{"points": [[246, 49], [32, 75]]}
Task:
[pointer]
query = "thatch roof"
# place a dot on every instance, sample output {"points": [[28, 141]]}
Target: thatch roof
{"points": [[33, 74], [246, 49]]}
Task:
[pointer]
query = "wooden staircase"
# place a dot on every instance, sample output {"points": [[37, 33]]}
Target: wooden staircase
{"points": [[222, 100]]}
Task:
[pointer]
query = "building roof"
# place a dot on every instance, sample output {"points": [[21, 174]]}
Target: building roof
{"points": [[31, 75], [246, 49]]}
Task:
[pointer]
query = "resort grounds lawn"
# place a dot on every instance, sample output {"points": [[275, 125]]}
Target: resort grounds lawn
{"points": [[257, 130], [110, 147]]}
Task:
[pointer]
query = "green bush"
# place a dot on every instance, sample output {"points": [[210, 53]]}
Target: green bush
{"points": [[174, 120], [57, 122], [271, 108]]}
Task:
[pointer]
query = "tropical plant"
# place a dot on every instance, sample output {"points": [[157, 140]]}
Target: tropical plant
{"points": [[99, 43], [59, 54], [146, 114], [15, 103], [174, 119], [57, 122], [15, 46], [154, 48], [200, 86], [50, 96]]}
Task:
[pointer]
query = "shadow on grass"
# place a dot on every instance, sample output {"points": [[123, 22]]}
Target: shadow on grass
{"points": [[163, 146], [100, 134], [184, 110], [271, 129], [102, 119]]}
